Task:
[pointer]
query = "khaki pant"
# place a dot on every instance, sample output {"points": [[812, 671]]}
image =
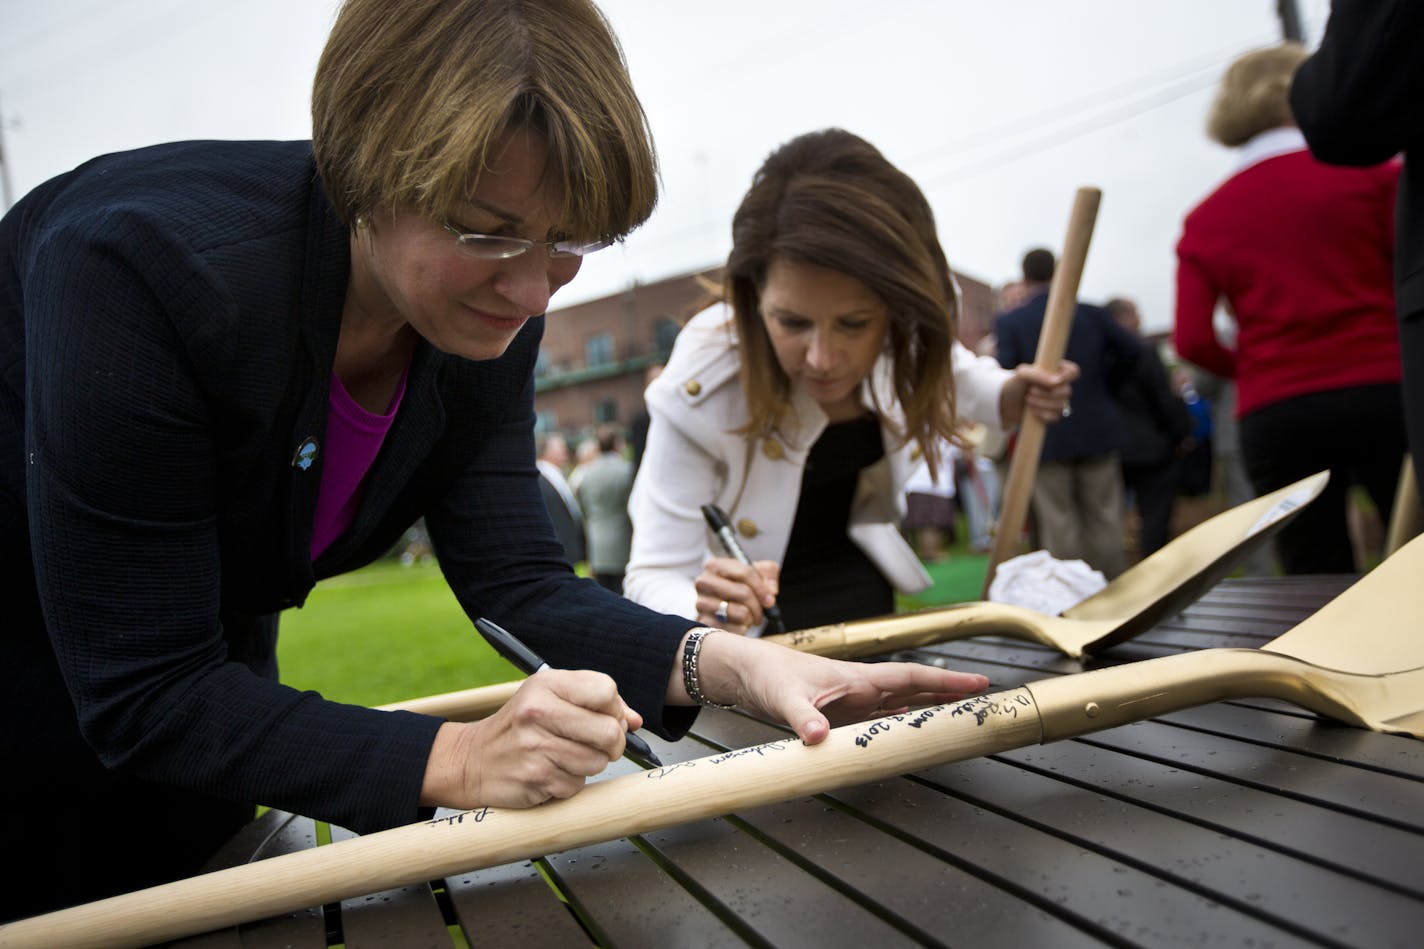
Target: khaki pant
{"points": [[1077, 511]]}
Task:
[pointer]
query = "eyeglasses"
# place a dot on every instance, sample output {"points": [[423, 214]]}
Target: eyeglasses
{"points": [[490, 247]]}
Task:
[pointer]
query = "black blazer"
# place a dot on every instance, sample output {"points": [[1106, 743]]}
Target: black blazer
{"points": [[1105, 352], [168, 321], [1155, 419], [1359, 100]]}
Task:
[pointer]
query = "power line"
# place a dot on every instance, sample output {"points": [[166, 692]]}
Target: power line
{"points": [[1170, 91], [1044, 142], [1096, 100], [1166, 91]]}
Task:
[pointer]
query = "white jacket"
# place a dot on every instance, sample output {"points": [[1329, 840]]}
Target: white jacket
{"points": [[695, 456]]}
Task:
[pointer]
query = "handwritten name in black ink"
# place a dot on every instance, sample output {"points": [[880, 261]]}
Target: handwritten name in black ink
{"points": [[657, 774], [983, 707], [924, 715], [758, 750], [476, 815]]}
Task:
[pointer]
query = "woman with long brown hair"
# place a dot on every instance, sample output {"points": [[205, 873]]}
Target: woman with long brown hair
{"points": [[802, 401]]}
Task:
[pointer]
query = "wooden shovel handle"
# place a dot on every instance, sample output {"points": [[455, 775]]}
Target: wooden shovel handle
{"points": [[637, 803], [1052, 339], [465, 705]]}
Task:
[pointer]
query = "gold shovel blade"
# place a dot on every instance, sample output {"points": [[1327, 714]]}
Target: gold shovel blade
{"points": [[1167, 581], [1358, 659], [1375, 627]]}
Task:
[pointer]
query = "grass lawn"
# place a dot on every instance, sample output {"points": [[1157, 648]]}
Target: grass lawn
{"points": [[391, 632], [385, 633], [959, 578]]}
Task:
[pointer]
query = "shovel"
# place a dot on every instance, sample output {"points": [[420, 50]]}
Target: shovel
{"points": [[1153, 589], [1156, 588], [1359, 660]]}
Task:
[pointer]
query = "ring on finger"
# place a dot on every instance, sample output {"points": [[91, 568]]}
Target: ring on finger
{"points": [[1067, 409], [721, 613]]}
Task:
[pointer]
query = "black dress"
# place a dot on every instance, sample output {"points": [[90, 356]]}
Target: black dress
{"points": [[825, 578]]}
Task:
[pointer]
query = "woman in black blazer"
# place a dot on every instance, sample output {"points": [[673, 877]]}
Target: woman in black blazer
{"points": [[232, 369]]}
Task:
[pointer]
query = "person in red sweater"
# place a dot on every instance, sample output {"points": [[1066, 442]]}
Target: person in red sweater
{"points": [[1300, 253]]}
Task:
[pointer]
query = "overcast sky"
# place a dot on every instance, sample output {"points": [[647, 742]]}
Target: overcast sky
{"points": [[1000, 109]]}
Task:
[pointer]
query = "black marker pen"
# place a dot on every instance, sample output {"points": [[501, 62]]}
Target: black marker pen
{"points": [[527, 661], [717, 520]]}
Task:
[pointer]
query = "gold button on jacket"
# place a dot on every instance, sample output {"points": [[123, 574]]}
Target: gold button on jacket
{"points": [[747, 527]]}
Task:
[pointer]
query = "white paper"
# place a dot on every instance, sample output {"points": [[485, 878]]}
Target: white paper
{"points": [[1039, 582]]}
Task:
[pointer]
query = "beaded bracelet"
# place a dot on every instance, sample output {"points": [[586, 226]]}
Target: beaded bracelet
{"points": [[690, 653]]}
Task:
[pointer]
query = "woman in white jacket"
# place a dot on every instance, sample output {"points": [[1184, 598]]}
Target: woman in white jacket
{"points": [[801, 403]]}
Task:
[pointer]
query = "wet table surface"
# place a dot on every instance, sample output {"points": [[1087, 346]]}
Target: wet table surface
{"points": [[1244, 823]]}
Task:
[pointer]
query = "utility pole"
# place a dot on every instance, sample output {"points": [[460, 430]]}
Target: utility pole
{"points": [[6, 195], [1290, 21]]}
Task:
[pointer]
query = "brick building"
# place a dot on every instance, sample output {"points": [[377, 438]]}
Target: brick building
{"points": [[595, 354]]}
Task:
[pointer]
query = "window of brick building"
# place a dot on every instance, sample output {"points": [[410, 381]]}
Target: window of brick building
{"points": [[664, 332], [598, 350]]}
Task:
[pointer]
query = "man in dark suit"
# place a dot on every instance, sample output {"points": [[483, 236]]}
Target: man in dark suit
{"points": [[1077, 495], [1359, 100]]}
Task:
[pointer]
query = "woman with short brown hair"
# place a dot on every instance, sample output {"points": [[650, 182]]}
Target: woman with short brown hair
{"points": [[236, 368]]}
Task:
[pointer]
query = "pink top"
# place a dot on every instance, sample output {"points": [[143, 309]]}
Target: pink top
{"points": [[353, 439]]}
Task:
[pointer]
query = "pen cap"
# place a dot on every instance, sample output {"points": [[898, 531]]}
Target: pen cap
{"points": [[716, 517], [521, 656]]}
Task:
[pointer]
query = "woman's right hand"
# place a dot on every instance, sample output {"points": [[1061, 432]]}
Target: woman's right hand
{"points": [[560, 728], [743, 591]]}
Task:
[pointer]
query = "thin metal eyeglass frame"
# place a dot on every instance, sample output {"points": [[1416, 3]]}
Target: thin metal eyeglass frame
{"points": [[559, 250]]}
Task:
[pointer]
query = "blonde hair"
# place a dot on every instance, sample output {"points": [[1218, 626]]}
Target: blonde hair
{"points": [[1254, 96], [830, 199], [411, 98]]}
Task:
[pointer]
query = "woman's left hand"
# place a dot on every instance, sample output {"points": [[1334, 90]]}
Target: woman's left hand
{"points": [[811, 693], [1046, 394]]}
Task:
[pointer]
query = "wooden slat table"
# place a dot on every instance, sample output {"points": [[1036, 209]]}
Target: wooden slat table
{"points": [[1247, 823]]}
